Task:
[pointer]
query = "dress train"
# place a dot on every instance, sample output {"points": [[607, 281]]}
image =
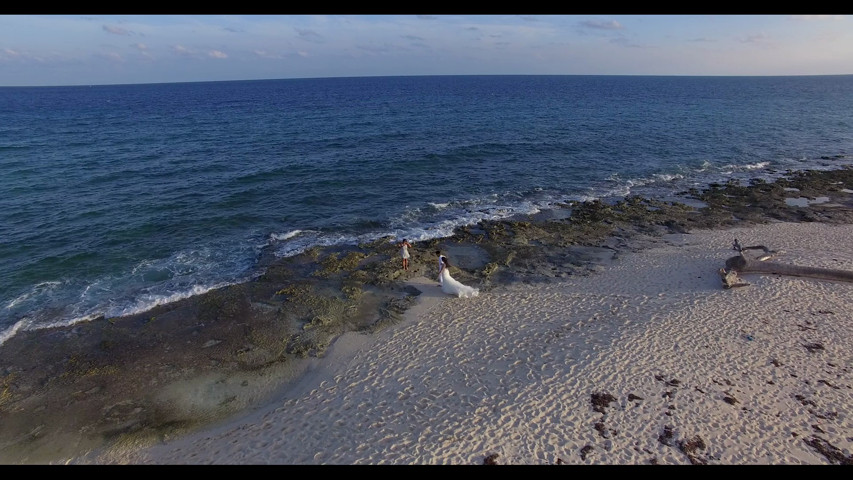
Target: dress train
{"points": [[452, 286]]}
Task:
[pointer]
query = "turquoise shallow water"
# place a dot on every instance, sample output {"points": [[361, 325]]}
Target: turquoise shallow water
{"points": [[116, 198]]}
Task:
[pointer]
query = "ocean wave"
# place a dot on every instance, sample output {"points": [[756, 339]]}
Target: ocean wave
{"points": [[749, 167], [280, 237], [37, 290], [14, 329]]}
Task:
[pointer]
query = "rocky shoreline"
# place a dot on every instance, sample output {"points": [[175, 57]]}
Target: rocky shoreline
{"points": [[140, 379]]}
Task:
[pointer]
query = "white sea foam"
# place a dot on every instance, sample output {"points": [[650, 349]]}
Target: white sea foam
{"points": [[278, 237], [11, 331], [756, 166], [73, 320], [37, 290], [731, 168], [295, 245], [668, 177], [148, 302]]}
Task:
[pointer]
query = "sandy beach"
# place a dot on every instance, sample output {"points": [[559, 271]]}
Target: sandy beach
{"points": [[648, 360]]}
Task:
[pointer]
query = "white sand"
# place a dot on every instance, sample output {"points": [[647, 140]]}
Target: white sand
{"points": [[725, 373]]}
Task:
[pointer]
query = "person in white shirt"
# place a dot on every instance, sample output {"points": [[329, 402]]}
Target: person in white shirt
{"points": [[441, 264], [449, 284]]}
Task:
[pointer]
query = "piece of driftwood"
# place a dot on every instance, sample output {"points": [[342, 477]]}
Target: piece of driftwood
{"points": [[742, 264]]}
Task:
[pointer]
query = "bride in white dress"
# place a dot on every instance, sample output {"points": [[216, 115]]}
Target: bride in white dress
{"points": [[449, 284]]}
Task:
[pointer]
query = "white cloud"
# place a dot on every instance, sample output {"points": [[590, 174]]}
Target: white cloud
{"points": [[115, 30], [266, 54], [309, 35], [757, 38], [602, 25], [111, 56], [181, 50]]}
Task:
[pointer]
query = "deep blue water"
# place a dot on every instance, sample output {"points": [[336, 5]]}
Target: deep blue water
{"points": [[116, 198]]}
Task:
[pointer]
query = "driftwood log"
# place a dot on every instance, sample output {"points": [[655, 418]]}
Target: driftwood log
{"points": [[742, 264]]}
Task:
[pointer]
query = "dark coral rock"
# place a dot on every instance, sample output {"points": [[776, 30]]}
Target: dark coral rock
{"points": [[831, 452], [667, 435], [600, 401], [690, 446]]}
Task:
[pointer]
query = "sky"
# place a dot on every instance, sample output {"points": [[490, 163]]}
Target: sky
{"points": [[51, 50]]}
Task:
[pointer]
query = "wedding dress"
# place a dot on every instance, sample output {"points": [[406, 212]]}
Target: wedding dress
{"points": [[451, 286]]}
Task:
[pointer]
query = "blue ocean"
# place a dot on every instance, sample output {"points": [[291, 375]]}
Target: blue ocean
{"points": [[117, 198]]}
